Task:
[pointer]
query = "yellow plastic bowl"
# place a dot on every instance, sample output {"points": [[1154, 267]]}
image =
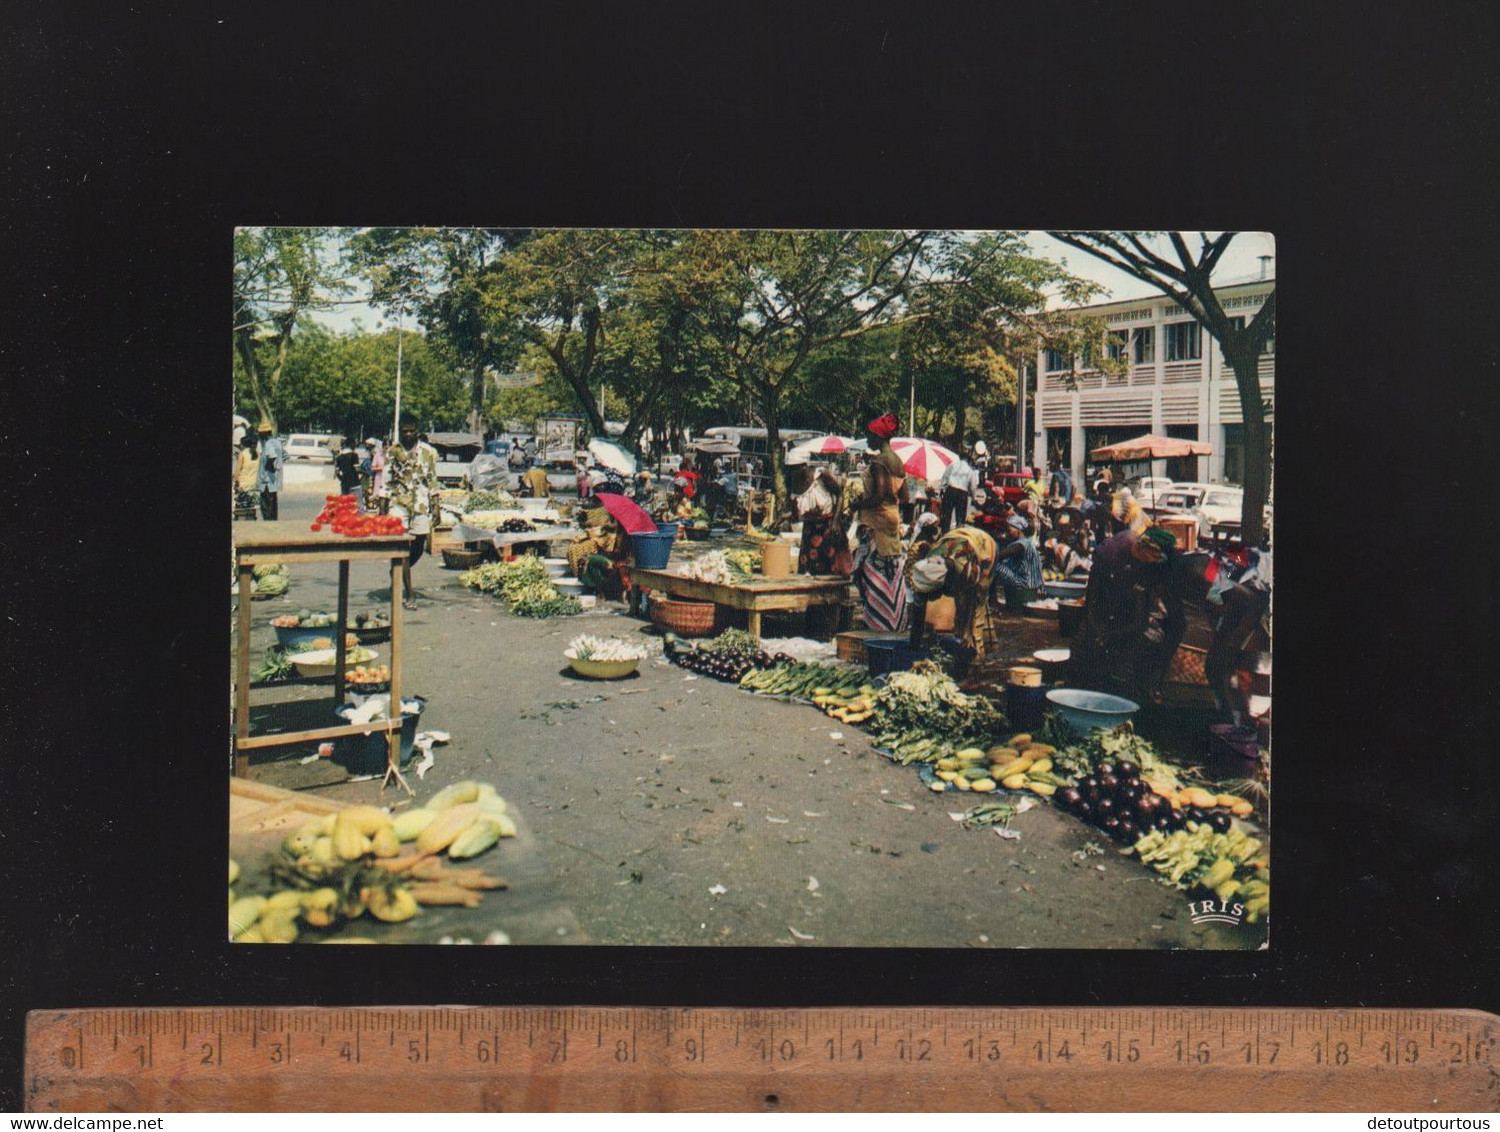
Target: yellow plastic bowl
{"points": [[603, 669], [321, 661]]}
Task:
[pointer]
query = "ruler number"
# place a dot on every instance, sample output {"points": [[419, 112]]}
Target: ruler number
{"points": [[1260, 1055], [414, 1051], [1063, 1053], [785, 1051], [207, 1055], [1405, 1054], [487, 1050], [988, 1051], [1339, 1055], [623, 1052], [690, 1050], [278, 1054], [1201, 1054], [835, 1053], [920, 1050], [1128, 1051]]}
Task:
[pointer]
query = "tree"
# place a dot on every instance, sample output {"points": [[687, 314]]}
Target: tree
{"points": [[279, 275], [1188, 280], [763, 301]]}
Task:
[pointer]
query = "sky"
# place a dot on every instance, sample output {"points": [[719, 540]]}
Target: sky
{"points": [[1240, 262]]}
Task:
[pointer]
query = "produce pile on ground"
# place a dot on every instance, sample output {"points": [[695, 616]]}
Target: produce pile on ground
{"points": [[362, 860], [1016, 764], [341, 512], [923, 716], [524, 586], [800, 681], [729, 656], [722, 567]]}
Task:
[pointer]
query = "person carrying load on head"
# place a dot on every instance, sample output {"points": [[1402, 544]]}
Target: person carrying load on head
{"points": [[958, 565], [879, 561]]}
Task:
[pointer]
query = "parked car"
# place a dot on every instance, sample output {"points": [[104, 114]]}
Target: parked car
{"points": [[455, 451], [1145, 488], [1219, 505], [318, 447], [1176, 501]]}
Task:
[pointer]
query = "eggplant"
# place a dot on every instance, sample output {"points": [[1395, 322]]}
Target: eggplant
{"points": [[1128, 830], [1104, 768], [1084, 809], [1069, 797], [1111, 824], [1128, 770], [1106, 805], [1129, 791], [1144, 811], [1108, 783], [1220, 821]]}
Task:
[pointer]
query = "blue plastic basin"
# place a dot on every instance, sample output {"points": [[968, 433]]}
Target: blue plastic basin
{"points": [[1085, 711]]}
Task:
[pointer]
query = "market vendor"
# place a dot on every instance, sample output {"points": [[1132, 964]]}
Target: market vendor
{"points": [[824, 549], [1133, 618], [534, 481], [1061, 555], [268, 478], [1018, 565], [881, 557], [959, 566], [596, 556], [411, 466]]}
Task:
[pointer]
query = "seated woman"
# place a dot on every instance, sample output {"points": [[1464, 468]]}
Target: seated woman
{"points": [[1018, 569], [958, 565], [597, 555]]}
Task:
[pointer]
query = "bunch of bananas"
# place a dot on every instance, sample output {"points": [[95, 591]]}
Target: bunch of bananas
{"points": [[846, 703], [1227, 864]]}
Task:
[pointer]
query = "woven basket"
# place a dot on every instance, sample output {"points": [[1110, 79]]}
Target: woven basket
{"points": [[685, 618], [1187, 666], [460, 559]]}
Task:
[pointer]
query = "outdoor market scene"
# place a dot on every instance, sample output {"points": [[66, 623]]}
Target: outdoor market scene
{"points": [[751, 588]]}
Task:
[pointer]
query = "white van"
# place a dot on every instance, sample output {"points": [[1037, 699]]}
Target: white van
{"points": [[315, 446]]}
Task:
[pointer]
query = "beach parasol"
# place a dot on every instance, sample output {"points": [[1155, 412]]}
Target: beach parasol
{"points": [[1150, 447], [925, 459], [824, 446], [615, 457], [628, 513]]}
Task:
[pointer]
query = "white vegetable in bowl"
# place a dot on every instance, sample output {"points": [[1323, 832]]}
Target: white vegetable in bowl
{"points": [[589, 647]]}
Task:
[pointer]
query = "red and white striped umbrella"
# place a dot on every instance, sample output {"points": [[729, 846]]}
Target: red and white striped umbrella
{"points": [[924, 459], [826, 446]]}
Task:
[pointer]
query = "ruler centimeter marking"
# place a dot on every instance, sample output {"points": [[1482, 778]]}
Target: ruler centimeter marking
{"points": [[658, 1058]]}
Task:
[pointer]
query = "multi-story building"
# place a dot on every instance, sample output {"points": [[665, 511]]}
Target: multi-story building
{"points": [[1175, 384]]}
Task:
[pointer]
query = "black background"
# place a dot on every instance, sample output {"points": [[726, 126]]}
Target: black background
{"points": [[138, 138]]}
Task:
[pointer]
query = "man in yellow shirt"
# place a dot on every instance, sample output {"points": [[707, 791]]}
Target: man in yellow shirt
{"points": [[534, 480]]}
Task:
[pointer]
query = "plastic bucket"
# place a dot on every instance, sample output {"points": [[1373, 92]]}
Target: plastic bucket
{"points": [[1025, 705], [1024, 676], [1016, 598], [776, 559], [667, 529], [652, 552], [366, 754], [891, 654], [1069, 618]]}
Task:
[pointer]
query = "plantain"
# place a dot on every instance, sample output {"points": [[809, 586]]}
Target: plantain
{"points": [[447, 826], [475, 839], [367, 819], [982, 785], [385, 843], [1045, 789], [244, 912], [454, 795], [406, 826], [1014, 782], [390, 905], [320, 908], [234, 870], [1012, 768], [349, 844]]}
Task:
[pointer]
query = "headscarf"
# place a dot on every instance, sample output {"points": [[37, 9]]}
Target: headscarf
{"points": [[884, 427], [264, 428], [1015, 522], [929, 575], [924, 520], [1160, 538], [1125, 510]]}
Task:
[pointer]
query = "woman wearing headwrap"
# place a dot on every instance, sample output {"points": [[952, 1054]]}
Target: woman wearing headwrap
{"points": [[595, 556], [1132, 616], [879, 560], [822, 537], [958, 565], [1018, 568]]}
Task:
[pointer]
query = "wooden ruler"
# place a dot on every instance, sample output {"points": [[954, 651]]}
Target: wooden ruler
{"points": [[843, 1059]]}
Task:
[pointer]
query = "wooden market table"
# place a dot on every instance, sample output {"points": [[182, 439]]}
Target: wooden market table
{"points": [[795, 593], [293, 542]]}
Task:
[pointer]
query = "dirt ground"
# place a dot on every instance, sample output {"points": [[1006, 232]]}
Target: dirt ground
{"points": [[669, 809]]}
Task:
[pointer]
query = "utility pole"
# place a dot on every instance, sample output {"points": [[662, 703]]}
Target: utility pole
{"points": [[396, 423]]}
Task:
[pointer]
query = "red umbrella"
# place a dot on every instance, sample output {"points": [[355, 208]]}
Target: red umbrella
{"points": [[923, 458], [628, 513]]}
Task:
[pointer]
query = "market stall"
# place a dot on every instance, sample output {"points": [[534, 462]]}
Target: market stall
{"points": [[756, 596], [292, 542]]}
